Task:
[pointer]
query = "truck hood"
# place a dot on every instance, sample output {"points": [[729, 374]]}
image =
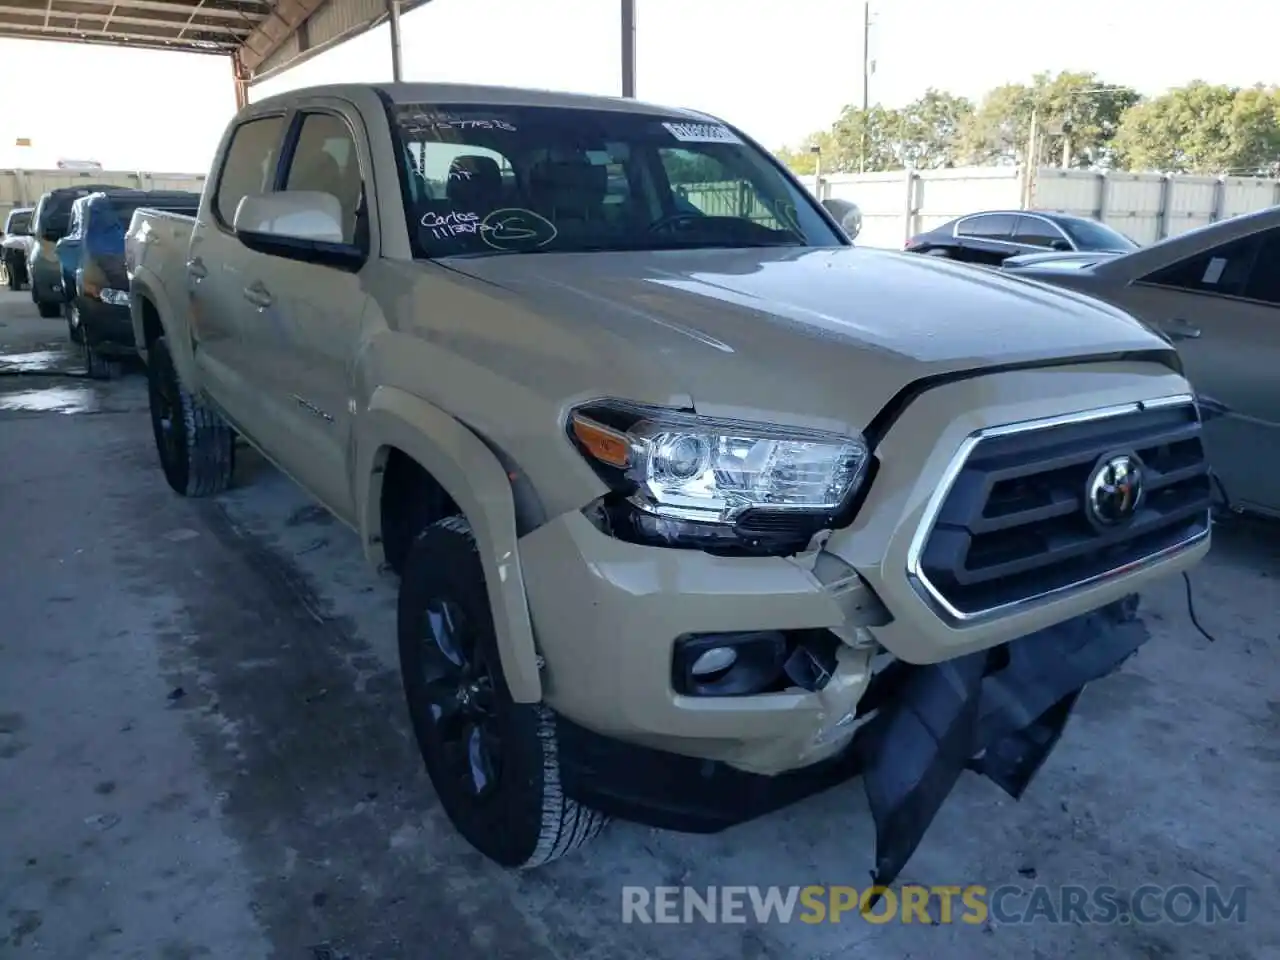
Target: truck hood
{"points": [[788, 331]]}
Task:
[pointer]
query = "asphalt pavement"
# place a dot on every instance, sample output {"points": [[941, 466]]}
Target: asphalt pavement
{"points": [[204, 752]]}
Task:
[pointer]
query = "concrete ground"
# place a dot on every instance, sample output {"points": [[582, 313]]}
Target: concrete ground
{"points": [[204, 752]]}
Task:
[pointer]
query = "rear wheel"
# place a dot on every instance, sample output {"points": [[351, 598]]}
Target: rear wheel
{"points": [[49, 309], [939, 252], [493, 762], [197, 448]]}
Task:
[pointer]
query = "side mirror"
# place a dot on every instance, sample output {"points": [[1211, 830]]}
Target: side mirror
{"points": [[1060, 244], [846, 213], [297, 224]]}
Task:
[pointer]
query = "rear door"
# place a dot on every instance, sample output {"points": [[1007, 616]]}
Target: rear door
{"points": [[216, 270], [986, 238], [1222, 308], [302, 320]]}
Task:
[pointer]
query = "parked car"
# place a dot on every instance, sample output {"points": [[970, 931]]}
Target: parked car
{"points": [[50, 223], [991, 237], [661, 495], [1215, 291], [15, 244], [95, 279]]}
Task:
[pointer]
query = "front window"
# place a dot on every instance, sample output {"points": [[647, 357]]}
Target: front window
{"points": [[1092, 235], [518, 179]]}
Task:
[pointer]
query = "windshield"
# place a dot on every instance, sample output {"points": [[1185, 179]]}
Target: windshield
{"points": [[521, 179], [1092, 235]]}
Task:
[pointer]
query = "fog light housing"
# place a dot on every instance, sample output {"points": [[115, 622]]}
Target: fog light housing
{"points": [[728, 664]]}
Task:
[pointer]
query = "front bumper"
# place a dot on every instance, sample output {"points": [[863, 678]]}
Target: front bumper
{"points": [[607, 614], [991, 695], [998, 713], [106, 326]]}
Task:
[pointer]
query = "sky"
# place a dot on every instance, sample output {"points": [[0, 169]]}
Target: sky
{"points": [[778, 70]]}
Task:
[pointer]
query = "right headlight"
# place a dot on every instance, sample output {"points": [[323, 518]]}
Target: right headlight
{"points": [[700, 481]]}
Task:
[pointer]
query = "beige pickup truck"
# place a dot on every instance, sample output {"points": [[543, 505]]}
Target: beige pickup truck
{"points": [[696, 508]]}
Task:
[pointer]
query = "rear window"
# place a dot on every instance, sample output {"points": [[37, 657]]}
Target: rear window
{"points": [[19, 223], [994, 225]]}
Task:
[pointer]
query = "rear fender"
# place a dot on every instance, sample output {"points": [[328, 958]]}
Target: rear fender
{"points": [[999, 716], [145, 285], [469, 472]]}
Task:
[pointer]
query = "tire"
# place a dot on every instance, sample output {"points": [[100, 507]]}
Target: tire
{"points": [[74, 331], [49, 310], [516, 814], [197, 448], [96, 366], [938, 252]]}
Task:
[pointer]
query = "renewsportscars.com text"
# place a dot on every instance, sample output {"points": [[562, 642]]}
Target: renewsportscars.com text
{"points": [[971, 904]]}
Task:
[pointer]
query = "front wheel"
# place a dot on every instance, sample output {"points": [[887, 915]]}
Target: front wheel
{"points": [[74, 331], [493, 762], [49, 309], [98, 367], [197, 448]]}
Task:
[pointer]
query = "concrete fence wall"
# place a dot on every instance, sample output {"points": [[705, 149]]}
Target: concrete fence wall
{"points": [[22, 188], [1145, 206]]}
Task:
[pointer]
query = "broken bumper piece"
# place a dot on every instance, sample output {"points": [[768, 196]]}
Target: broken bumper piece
{"points": [[998, 713]]}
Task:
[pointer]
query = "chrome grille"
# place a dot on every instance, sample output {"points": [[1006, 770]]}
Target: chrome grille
{"points": [[1012, 524]]}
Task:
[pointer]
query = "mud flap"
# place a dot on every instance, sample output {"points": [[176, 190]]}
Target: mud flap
{"points": [[998, 712]]}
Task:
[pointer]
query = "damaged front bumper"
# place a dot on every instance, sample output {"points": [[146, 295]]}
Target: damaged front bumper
{"points": [[997, 712]]}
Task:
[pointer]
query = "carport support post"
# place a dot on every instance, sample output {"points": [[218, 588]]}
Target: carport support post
{"points": [[393, 18], [629, 48], [242, 86]]}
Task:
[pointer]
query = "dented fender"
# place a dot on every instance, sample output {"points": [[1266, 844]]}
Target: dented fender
{"points": [[469, 472]]}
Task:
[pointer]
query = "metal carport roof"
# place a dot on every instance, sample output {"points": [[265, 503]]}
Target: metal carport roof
{"points": [[263, 37]]}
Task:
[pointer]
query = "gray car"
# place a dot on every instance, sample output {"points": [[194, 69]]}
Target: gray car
{"points": [[1214, 292]]}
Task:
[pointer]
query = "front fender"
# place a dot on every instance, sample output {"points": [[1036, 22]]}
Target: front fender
{"points": [[460, 462], [145, 285]]}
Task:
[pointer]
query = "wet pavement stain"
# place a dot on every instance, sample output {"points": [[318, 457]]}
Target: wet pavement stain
{"points": [[32, 362], [51, 400]]}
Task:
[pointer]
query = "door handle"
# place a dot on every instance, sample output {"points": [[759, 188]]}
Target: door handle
{"points": [[196, 269], [258, 295], [1179, 329]]}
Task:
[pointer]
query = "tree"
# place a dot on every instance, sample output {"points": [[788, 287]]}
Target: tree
{"points": [[1072, 109], [929, 130], [881, 127], [1203, 128], [996, 132]]}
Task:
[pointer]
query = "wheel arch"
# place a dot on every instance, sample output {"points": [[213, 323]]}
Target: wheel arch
{"points": [[470, 473], [149, 309]]}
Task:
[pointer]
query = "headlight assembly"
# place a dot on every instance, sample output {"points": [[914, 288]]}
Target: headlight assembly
{"points": [[699, 481]]}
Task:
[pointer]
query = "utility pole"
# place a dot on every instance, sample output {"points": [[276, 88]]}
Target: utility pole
{"points": [[866, 81], [629, 49], [1033, 150]]}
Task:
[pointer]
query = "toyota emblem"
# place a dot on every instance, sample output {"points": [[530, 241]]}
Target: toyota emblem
{"points": [[1114, 490]]}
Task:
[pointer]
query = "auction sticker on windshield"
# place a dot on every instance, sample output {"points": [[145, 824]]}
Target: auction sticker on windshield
{"points": [[701, 133]]}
